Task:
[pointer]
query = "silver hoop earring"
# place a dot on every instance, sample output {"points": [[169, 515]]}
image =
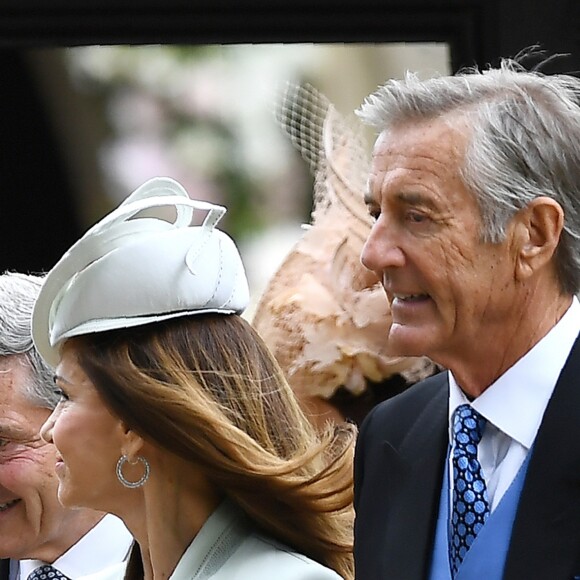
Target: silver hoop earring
{"points": [[132, 484]]}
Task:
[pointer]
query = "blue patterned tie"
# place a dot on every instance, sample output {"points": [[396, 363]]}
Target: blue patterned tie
{"points": [[470, 502], [46, 572]]}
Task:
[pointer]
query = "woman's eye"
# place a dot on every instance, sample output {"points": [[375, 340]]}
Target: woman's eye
{"points": [[60, 394]]}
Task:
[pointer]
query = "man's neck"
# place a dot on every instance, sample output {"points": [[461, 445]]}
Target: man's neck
{"points": [[477, 369], [73, 527]]}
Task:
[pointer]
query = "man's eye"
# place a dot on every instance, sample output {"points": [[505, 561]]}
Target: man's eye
{"points": [[374, 212], [3, 442], [416, 217]]}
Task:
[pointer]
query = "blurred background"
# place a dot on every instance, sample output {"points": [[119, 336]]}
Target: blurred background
{"points": [[87, 125], [97, 96]]}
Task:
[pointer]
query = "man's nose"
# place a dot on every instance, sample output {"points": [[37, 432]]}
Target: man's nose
{"points": [[381, 249]]}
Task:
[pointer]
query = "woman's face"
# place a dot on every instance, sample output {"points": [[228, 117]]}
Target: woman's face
{"points": [[88, 439]]}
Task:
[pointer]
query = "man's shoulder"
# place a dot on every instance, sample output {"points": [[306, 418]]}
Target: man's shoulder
{"points": [[4, 569], [391, 419], [412, 399]]}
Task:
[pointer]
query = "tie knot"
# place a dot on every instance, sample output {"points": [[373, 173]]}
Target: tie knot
{"points": [[46, 572], [468, 427]]}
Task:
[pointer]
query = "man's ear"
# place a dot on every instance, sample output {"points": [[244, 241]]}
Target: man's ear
{"points": [[538, 227]]}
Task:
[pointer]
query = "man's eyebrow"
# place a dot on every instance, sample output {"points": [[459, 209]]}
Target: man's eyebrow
{"points": [[415, 198], [408, 198]]}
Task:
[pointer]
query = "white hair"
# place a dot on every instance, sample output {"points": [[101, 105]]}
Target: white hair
{"points": [[525, 142], [18, 293]]}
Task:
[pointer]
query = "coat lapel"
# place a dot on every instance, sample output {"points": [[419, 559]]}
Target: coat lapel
{"points": [[546, 534], [410, 534]]}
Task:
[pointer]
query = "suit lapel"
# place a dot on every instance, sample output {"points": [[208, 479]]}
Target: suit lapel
{"points": [[421, 459], [546, 533], [4, 569]]}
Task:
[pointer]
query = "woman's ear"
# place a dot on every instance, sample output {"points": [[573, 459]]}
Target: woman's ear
{"points": [[537, 234], [132, 443]]}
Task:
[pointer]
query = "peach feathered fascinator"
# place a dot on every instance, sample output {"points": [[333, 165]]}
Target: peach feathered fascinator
{"points": [[325, 316]]}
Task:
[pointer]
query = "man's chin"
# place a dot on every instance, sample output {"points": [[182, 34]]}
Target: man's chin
{"points": [[405, 341]]}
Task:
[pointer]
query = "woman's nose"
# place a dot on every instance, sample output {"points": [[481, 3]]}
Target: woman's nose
{"points": [[46, 429]]}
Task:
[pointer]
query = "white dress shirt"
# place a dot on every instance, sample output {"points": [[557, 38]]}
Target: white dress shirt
{"points": [[105, 544], [515, 403]]}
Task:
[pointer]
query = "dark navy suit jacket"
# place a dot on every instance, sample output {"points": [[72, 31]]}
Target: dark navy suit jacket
{"points": [[399, 463]]}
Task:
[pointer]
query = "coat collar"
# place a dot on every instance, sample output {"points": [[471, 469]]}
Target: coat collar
{"points": [[546, 532], [420, 461]]}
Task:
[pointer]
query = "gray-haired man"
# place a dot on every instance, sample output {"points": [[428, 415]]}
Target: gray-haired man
{"points": [[35, 530]]}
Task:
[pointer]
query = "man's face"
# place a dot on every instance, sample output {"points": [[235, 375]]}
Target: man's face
{"points": [[32, 520], [449, 292]]}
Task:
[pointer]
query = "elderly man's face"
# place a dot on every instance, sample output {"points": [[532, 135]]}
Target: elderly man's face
{"points": [[448, 291], [32, 521]]}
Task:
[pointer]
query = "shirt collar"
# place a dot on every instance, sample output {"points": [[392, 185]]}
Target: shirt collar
{"points": [[516, 401], [106, 543]]}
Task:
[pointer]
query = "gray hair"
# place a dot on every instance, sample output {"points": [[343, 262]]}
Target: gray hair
{"points": [[525, 142], [18, 293]]}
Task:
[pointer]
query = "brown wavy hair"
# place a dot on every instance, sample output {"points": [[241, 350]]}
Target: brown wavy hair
{"points": [[206, 388]]}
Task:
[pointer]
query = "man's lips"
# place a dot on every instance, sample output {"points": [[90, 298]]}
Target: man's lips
{"points": [[408, 298]]}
